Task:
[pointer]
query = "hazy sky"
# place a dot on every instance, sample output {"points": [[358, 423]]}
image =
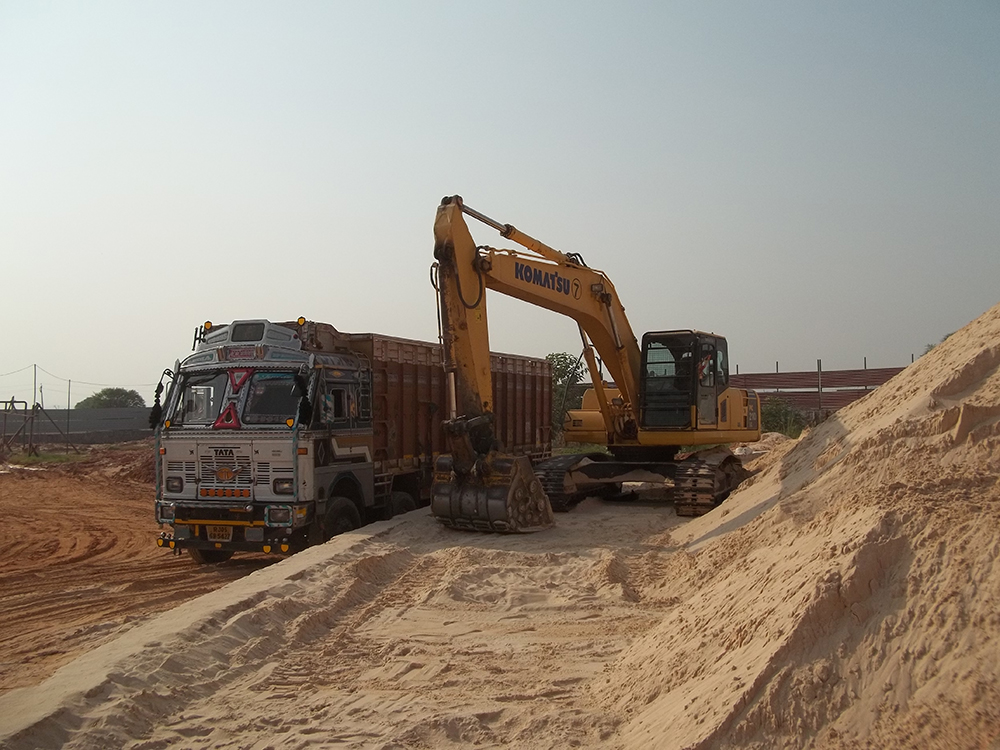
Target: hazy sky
{"points": [[812, 180]]}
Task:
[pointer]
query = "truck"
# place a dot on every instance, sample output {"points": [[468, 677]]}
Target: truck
{"points": [[275, 436]]}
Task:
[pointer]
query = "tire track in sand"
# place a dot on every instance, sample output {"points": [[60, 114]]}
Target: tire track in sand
{"points": [[80, 565]]}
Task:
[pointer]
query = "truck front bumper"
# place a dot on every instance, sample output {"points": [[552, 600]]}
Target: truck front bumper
{"points": [[283, 545]]}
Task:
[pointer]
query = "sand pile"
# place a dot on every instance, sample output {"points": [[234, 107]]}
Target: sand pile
{"points": [[861, 604], [848, 596]]}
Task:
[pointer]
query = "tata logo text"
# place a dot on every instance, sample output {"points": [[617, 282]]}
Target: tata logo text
{"points": [[220, 452], [555, 282]]}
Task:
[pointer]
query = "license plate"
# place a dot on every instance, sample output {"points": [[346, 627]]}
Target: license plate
{"points": [[219, 533]]}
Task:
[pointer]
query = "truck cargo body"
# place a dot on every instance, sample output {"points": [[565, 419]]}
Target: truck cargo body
{"points": [[270, 428]]}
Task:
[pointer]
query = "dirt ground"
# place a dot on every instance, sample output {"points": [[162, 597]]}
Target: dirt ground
{"points": [[844, 597], [80, 562]]}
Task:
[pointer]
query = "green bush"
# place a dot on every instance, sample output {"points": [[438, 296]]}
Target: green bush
{"points": [[777, 415]]}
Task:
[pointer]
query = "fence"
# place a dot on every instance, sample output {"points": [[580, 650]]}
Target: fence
{"points": [[54, 426], [816, 391]]}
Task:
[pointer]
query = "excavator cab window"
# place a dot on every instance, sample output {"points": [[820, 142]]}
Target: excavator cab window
{"points": [[668, 386], [713, 377], [707, 393], [721, 365]]}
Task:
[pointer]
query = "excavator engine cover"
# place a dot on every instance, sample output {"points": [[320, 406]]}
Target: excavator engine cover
{"points": [[501, 495]]}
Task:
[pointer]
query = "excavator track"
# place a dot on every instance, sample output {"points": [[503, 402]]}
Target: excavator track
{"points": [[551, 474], [695, 488], [700, 485]]}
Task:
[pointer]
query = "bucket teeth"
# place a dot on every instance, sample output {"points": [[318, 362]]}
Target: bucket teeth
{"points": [[505, 496]]}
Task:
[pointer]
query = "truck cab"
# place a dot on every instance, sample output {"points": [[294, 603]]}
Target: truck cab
{"points": [[255, 430]]}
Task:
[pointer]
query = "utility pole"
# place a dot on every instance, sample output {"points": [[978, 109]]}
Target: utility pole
{"points": [[819, 384], [69, 387]]}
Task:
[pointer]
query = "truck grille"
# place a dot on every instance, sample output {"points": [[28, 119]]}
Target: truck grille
{"points": [[266, 472], [184, 469], [226, 471]]}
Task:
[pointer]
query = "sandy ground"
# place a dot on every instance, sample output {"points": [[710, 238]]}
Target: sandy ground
{"points": [[847, 596], [80, 562]]}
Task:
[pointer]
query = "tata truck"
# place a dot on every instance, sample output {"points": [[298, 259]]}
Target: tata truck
{"points": [[276, 436]]}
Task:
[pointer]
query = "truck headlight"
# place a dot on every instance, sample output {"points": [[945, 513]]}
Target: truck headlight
{"points": [[278, 515], [165, 513], [283, 486], [174, 484]]}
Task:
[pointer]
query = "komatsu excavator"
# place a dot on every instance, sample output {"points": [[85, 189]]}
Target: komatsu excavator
{"points": [[671, 391]]}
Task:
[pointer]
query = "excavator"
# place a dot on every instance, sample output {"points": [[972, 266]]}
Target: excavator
{"points": [[669, 392]]}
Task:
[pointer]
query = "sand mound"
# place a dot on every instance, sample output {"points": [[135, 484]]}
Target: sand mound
{"points": [[861, 603], [129, 462], [133, 462], [847, 596]]}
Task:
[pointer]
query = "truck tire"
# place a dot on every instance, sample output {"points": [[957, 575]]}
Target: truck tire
{"points": [[401, 502], [341, 515], [209, 556]]}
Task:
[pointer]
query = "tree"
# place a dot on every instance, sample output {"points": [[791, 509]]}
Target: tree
{"points": [[931, 346], [567, 371], [113, 398]]}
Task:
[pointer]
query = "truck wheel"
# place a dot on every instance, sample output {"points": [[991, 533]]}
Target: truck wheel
{"points": [[341, 515], [401, 502], [209, 556]]}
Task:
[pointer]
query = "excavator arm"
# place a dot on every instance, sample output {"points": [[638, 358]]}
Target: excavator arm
{"points": [[477, 486], [542, 276]]}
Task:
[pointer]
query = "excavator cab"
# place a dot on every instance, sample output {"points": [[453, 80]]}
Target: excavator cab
{"points": [[683, 374]]}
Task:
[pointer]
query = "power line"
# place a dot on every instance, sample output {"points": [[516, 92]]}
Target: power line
{"points": [[26, 367], [82, 382]]}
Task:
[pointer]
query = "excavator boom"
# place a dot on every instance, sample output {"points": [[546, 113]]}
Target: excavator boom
{"points": [[476, 486]]}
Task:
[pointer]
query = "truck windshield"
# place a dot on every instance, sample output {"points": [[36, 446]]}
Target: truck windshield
{"points": [[201, 398], [273, 398]]}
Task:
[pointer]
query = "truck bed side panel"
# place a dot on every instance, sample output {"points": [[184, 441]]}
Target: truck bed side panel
{"points": [[410, 400]]}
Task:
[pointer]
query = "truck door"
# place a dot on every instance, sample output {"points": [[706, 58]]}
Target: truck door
{"points": [[707, 393]]}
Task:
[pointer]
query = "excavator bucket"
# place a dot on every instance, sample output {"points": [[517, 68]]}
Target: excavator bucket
{"points": [[503, 495]]}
